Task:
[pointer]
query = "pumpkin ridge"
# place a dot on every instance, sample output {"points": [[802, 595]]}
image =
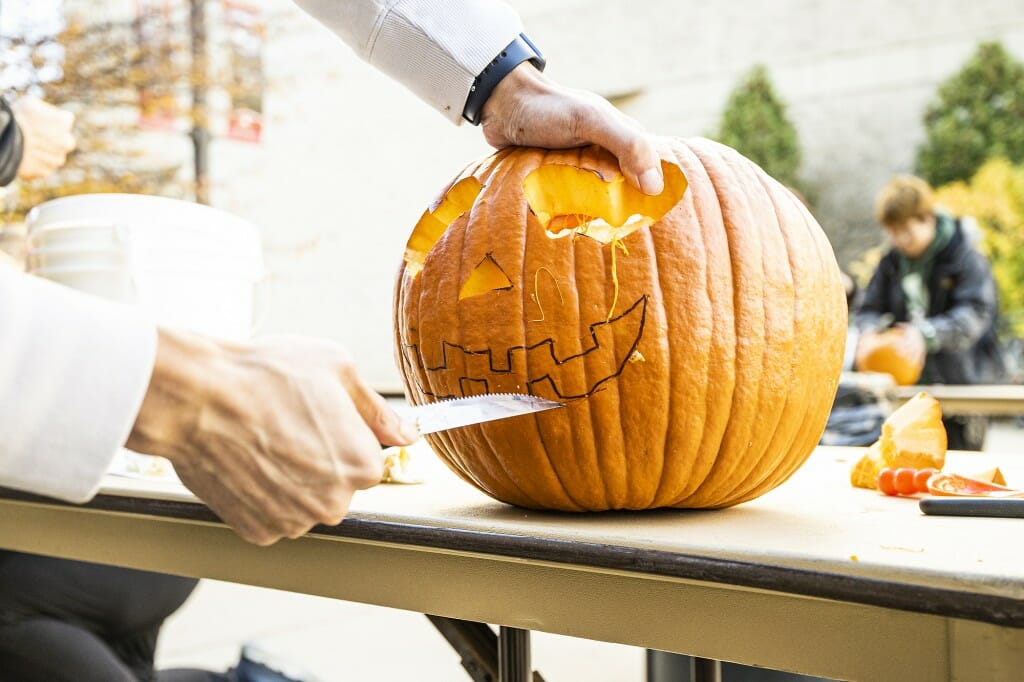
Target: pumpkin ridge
{"points": [[777, 335], [584, 327], [712, 228], [496, 475], [535, 483], [659, 295], [829, 270], [782, 439], [736, 212], [594, 444], [535, 419], [811, 432], [829, 274], [798, 451], [454, 459], [680, 456], [613, 458], [491, 475]]}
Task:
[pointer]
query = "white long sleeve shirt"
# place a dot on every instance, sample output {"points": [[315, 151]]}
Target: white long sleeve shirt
{"points": [[433, 47], [74, 368]]}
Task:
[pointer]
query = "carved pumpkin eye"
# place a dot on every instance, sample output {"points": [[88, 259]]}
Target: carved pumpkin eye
{"points": [[486, 276]]}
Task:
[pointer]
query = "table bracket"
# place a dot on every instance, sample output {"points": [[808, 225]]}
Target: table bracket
{"points": [[488, 657]]}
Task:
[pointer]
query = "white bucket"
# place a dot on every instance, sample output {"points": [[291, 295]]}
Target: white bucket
{"points": [[191, 266]]}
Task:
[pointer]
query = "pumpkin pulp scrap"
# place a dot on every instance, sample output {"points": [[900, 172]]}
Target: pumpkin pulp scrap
{"points": [[913, 437]]}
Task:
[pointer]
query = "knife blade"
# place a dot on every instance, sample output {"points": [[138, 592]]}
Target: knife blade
{"points": [[477, 409]]}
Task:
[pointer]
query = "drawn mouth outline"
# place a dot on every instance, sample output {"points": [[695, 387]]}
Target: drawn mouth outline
{"points": [[504, 375]]}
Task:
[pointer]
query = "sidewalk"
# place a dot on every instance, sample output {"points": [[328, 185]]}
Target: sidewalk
{"points": [[344, 641]]}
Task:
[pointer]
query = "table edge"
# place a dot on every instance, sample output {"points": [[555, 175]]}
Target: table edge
{"points": [[938, 601]]}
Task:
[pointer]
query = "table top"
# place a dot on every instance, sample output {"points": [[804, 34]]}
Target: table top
{"points": [[815, 536], [986, 399]]}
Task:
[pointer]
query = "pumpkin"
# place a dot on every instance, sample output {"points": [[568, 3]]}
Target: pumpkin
{"points": [[886, 352], [696, 337]]}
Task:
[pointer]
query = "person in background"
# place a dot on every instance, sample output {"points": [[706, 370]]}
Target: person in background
{"points": [[274, 436], [939, 288]]}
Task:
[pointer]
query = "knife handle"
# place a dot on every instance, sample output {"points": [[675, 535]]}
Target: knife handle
{"points": [[973, 506]]}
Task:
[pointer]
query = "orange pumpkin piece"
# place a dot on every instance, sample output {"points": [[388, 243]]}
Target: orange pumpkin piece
{"points": [[885, 352], [913, 436], [865, 472]]}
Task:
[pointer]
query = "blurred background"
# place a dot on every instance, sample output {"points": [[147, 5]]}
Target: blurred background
{"points": [[255, 108]]}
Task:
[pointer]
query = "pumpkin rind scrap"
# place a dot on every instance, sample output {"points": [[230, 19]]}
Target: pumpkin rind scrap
{"points": [[698, 349]]}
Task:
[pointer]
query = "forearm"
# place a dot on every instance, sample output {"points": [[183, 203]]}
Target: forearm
{"points": [[957, 330], [435, 48]]}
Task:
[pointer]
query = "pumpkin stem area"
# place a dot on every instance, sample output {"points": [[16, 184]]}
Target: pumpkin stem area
{"points": [[568, 200]]}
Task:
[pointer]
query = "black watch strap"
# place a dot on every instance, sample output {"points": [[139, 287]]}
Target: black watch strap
{"points": [[517, 52]]}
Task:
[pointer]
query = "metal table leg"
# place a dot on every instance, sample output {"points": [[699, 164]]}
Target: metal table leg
{"points": [[705, 670], [663, 666], [488, 657], [475, 642], [514, 655]]}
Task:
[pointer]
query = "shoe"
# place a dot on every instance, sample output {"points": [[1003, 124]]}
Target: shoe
{"points": [[258, 664]]}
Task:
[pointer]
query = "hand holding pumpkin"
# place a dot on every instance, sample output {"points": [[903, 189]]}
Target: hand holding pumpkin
{"points": [[911, 343], [274, 437], [527, 109], [46, 131]]}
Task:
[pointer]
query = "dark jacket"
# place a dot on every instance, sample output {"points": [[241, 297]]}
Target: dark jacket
{"points": [[963, 307], [11, 145]]}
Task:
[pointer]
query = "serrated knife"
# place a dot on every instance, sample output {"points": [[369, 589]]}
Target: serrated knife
{"points": [[477, 409]]}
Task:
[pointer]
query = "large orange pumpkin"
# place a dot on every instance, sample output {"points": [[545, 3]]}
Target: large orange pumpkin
{"points": [[696, 337]]}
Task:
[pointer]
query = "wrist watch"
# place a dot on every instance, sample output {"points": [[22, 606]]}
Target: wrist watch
{"points": [[517, 52]]}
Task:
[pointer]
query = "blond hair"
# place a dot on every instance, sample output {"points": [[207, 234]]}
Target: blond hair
{"points": [[904, 197]]}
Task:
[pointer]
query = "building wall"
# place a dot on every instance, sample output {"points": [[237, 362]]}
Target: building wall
{"points": [[350, 159]]}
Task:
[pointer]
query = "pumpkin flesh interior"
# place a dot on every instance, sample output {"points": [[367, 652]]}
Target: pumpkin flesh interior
{"points": [[567, 200]]}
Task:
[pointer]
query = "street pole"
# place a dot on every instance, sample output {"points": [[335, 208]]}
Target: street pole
{"points": [[200, 134]]}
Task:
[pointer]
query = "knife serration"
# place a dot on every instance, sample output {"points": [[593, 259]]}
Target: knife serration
{"points": [[457, 412]]}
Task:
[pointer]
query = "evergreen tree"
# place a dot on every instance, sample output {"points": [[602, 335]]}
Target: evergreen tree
{"points": [[755, 124], [977, 117]]}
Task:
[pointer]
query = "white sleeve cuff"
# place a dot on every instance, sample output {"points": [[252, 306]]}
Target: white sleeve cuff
{"points": [[74, 369], [434, 48]]}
